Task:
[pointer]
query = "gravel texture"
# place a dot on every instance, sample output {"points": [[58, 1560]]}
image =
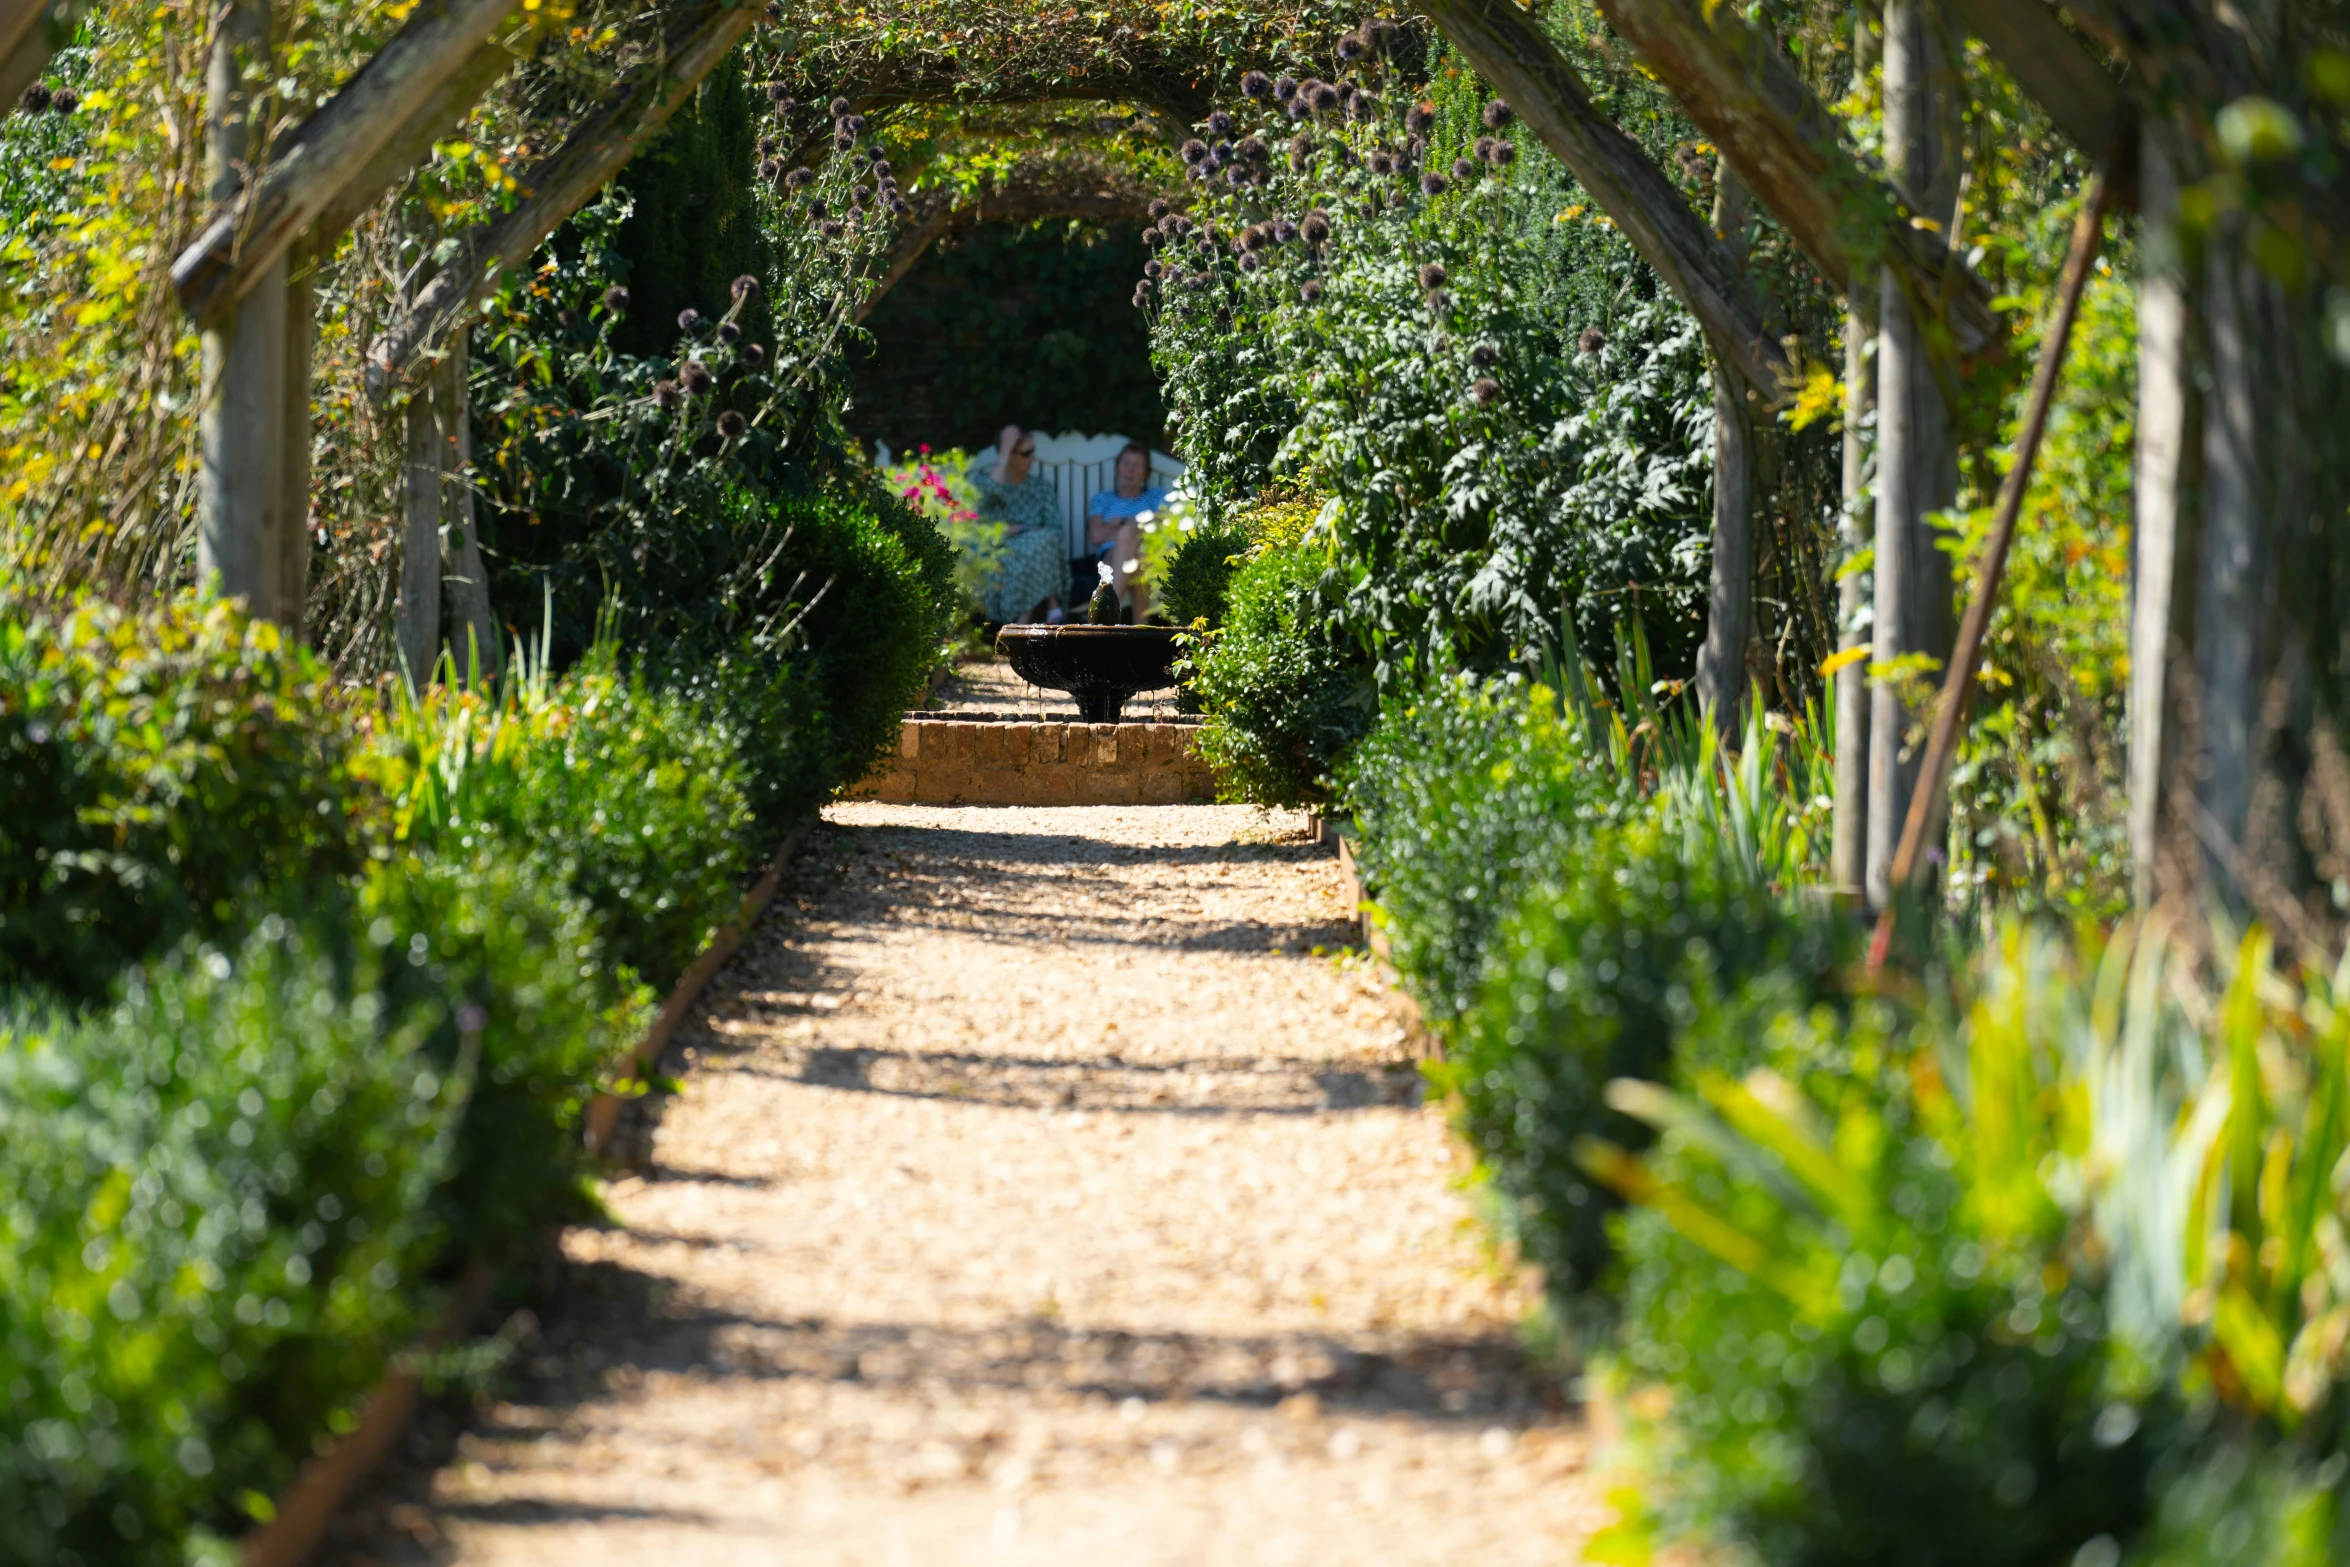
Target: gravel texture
{"points": [[1046, 1187]]}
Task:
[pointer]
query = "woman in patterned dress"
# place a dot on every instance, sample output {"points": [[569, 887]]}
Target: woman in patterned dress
{"points": [[1035, 571]]}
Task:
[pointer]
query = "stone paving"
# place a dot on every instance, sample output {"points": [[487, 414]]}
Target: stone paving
{"points": [[1046, 1187]]}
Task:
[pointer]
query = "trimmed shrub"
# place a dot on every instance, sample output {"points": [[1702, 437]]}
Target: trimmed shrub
{"points": [[1197, 587], [1596, 977], [1465, 793], [155, 769], [212, 1229], [1284, 695]]}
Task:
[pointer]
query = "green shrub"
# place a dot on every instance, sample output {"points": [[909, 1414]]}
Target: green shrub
{"points": [[1197, 586], [1284, 695], [1594, 977], [634, 797], [887, 579], [156, 769], [212, 1229], [2247, 1503], [773, 706], [1465, 793], [505, 963], [1860, 1290]]}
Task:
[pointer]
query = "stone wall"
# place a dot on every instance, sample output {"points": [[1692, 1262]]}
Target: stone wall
{"points": [[949, 762]]}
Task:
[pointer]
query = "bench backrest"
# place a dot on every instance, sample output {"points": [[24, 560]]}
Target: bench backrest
{"points": [[1081, 466]]}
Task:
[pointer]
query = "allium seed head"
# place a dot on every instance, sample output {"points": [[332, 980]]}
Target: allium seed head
{"points": [[1301, 153], [1439, 301], [729, 333], [698, 378], [1151, 269], [1505, 153], [1158, 208], [1284, 89], [1195, 152], [1484, 390], [667, 394], [800, 178], [830, 228], [35, 98], [752, 356], [1248, 263], [1498, 114], [1483, 148], [839, 107], [1220, 125], [1310, 290], [1420, 118], [1256, 85], [1316, 227], [730, 425], [1432, 276], [64, 101], [1283, 231], [1351, 47], [1325, 97], [1592, 340], [1433, 183], [1463, 170], [689, 319], [615, 299], [1484, 356]]}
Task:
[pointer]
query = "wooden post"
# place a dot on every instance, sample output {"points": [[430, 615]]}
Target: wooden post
{"points": [[1917, 454], [1729, 623], [242, 426], [293, 508], [472, 622], [2168, 472], [420, 542], [1848, 844]]}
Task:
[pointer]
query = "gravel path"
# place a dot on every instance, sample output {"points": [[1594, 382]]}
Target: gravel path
{"points": [[1044, 1189]]}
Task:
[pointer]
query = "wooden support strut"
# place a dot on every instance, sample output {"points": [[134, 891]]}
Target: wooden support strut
{"points": [[1731, 78], [595, 151], [1509, 49], [326, 152], [1925, 803]]}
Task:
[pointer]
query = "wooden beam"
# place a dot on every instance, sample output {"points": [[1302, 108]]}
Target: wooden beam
{"points": [[2054, 68], [1510, 50], [472, 621], [596, 150], [1789, 148], [1729, 615], [292, 572], [327, 151], [444, 109], [418, 619]]}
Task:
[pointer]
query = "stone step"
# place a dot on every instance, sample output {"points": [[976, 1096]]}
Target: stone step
{"points": [[945, 761]]}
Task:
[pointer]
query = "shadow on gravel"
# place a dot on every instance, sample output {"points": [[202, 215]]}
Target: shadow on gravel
{"points": [[1208, 1086]]}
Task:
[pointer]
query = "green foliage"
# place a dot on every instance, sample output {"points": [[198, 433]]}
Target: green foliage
{"points": [[887, 595], [634, 797], [155, 769], [1196, 587], [1871, 1357], [1028, 324], [1284, 695], [1595, 975], [212, 1233], [1527, 437], [693, 224], [506, 967], [2250, 1505], [1465, 794]]}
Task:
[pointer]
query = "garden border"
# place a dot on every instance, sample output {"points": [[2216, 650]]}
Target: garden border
{"points": [[326, 1481]]}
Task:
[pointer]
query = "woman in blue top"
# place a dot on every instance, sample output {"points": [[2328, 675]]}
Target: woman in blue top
{"points": [[1035, 569], [1113, 523]]}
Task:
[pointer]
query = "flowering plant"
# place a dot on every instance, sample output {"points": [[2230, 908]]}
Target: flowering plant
{"points": [[933, 484]]}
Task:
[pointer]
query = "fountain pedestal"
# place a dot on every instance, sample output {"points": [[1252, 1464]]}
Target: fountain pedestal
{"points": [[1101, 666]]}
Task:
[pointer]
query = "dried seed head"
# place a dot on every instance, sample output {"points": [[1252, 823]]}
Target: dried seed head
{"points": [[1220, 125], [1195, 152], [1433, 184], [615, 299], [1256, 85], [698, 378], [1284, 89], [745, 286], [730, 425], [839, 107], [1498, 114], [667, 394], [752, 356], [689, 319], [1325, 98], [1592, 340], [1484, 356], [1310, 291], [1484, 390], [1316, 227], [1432, 276], [1463, 170], [1158, 208], [1420, 118], [729, 333], [800, 178]]}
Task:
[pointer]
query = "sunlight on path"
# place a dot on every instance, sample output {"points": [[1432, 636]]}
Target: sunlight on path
{"points": [[1036, 1195]]}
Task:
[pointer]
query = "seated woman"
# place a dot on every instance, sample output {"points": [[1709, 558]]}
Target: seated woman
{"points": [[1035, 571], [1113, 523]]}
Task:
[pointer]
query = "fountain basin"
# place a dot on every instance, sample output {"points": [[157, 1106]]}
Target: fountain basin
{"points": [[1101, 666]]}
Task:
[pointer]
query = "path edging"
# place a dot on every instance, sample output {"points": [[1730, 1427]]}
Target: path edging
{"points": [[325, 1482]]}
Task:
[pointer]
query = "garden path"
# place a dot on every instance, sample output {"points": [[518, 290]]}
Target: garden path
{"points": [[1039, 1192]]}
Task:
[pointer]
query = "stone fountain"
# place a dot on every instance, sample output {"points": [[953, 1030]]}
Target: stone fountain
{"points": [[1100, 664]]}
